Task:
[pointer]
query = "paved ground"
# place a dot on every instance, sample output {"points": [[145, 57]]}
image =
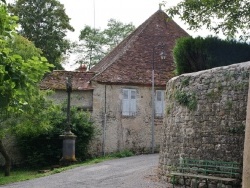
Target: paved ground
{"points": [[131, 172]]}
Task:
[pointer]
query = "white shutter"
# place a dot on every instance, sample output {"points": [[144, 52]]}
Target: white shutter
{"points": [[132, 102], [125, 102], [159, 103]]}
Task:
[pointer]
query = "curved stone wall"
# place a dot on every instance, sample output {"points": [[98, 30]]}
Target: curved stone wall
{"points": [[205, 116]]}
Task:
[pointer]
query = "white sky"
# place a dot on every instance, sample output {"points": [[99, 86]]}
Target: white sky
{"points": [[127, 11]]}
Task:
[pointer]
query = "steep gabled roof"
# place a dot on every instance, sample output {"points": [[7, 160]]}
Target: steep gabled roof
{"points": [[131, 61], [57, 80]]}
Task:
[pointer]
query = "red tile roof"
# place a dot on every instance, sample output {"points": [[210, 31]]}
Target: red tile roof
{"points": [[131, 61], [57, 80]]}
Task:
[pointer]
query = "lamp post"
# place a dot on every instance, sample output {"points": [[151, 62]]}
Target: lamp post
{"points": [[68, 137], [163, 56]]}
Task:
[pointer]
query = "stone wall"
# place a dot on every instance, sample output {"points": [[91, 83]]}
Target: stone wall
{"points": [[205, 116]]}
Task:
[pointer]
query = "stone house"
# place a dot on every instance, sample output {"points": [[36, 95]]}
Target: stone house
{"points": [[118, 90]]}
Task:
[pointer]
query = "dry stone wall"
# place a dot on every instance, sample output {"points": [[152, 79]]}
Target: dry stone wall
{"points": [[205, 116]]}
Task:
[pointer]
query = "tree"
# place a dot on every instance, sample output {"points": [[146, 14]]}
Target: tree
{"points": [[45, 23], [22, 46], [91, 49], [95, 43], [196, 54], [116, 32], [18, 80], [231, 17]]}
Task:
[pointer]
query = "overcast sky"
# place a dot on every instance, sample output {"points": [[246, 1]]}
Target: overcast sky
{"points": [[98, 12]]}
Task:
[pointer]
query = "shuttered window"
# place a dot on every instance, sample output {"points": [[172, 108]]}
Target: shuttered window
{"points": [[129, 102], [159, 103]]}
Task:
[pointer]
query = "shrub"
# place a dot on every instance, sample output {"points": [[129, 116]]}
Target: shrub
{"points": [[121, 154], [195, 54], [46, 148]]}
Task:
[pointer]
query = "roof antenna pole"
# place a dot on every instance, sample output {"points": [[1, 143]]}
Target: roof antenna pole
{"points": [[94, 12]]}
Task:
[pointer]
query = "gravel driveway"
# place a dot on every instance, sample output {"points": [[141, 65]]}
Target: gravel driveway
{"points": [[130, 172]]}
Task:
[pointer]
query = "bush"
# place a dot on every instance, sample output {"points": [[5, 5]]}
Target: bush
{"points": [[46, 148], [121, 154], [196, 54]]}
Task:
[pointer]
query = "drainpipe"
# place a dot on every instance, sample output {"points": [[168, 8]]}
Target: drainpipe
{"points": [[105, 121]]}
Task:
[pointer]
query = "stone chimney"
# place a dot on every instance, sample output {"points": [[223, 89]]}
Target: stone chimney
{"points": [[82, 68]]}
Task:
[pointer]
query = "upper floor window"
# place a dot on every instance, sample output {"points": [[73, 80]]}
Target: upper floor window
{"points": [[129, 102], [159, 103]]}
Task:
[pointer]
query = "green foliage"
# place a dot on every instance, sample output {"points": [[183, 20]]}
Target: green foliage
{"points": [[237, 130], [18, 76], [95, 43], [116, 31], [45, 147], [45, 23], [185, 99], [227, 16], [124, 153], [83, 128], [229, 105], [185, 81], [196, 54], [91, 49], [23, 47], [215, 93]]}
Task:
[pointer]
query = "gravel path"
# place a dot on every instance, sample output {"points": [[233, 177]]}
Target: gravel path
{"points": [[130, 172]]}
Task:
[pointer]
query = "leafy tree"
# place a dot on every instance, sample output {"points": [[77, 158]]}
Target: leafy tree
{"points": [[22, 46], [95, 43], [18, 81], [91, 49], [45, 23], [116, 32], [231, 17], [195, 54]]}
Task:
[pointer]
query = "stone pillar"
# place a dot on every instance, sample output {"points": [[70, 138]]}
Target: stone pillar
{"points": [[68, 149], [246, 155]]}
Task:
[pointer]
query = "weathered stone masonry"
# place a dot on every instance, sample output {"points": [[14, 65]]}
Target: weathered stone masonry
{"points": [[205, 116]]}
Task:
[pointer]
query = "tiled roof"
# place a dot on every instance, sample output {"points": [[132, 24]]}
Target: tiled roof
{"points": [[57, 80], [131, 61]]}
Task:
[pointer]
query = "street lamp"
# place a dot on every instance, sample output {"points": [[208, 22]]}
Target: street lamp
{"points": [[163, 57], [68, 137]]}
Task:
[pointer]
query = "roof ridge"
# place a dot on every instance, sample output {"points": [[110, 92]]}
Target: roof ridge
{"points": [[129, 39]]}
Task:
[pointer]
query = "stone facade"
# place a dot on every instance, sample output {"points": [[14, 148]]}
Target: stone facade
{"points": [[205, 116], [81, 99], [118, 132]]}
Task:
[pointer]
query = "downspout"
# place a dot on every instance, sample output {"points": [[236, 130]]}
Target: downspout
{"points": [[105, 121]]}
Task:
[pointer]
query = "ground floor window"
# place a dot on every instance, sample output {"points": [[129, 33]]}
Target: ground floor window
{"points": [[129, 102]]}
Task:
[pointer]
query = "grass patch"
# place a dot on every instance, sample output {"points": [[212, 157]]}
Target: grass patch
{"points": [[23, 174]]}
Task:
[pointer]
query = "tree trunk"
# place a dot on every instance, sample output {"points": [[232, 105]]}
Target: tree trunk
{"points": [[6, 158]]}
